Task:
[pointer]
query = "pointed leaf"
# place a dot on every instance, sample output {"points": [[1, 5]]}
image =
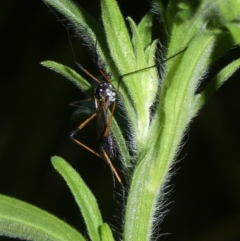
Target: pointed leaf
{"points": [[121, 143], [70, 74], [220, 79], [138, 46], [83, 196], [83, 22], [118, 38], [85, 26], [145, 29], [24, 221], [106, 233], [229, 10], [234, 29]]}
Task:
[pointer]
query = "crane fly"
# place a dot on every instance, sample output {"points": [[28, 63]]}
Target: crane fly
{"points": [[104, 96]]}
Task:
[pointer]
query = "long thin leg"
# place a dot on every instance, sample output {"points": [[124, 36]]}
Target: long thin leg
{"points": [[86, 147], [97, 154], [109, 120], [91, 150], [78, 103], [119, 180], [79, 128], [104, 76], [84, 70], [112, 167], [82, 125], [87, 121]]}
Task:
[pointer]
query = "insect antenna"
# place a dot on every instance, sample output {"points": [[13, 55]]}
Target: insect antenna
{"points": [[71, 45], [149, 67], [131, 73]]}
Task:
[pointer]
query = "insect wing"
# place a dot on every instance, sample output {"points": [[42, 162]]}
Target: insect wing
{"points": [[106, 142]]}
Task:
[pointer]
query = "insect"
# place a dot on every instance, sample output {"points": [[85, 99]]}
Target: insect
{"points": [[104, 96]]}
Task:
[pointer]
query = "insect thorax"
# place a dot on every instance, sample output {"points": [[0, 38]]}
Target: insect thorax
{"points": [[107, 92]]}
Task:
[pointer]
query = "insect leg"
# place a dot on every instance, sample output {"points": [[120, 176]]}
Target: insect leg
{"points": [[86, 147], [109, 120], [78, 102], [112, 167], [86, 121], [72, 135]]}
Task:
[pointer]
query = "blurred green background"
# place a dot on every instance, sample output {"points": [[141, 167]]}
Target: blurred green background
{"points": [[36, 120]]}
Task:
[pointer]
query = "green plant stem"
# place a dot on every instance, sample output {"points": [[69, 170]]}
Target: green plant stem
{"points": [[152, 172]]}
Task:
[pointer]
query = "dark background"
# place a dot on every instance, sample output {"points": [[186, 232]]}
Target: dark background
{"points": [[36, 120]]}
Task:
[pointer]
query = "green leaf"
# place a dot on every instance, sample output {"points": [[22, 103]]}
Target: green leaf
{"points": [[22, 220], [228, 10], [168, 126], [219, 80], [135, 85], [234, 29], [83, 196], [121, 144], [138, 46], [106, 233], [117, 35], [70, 74], [85, 25], [145, 29], [182, 83], [121, 51]]}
